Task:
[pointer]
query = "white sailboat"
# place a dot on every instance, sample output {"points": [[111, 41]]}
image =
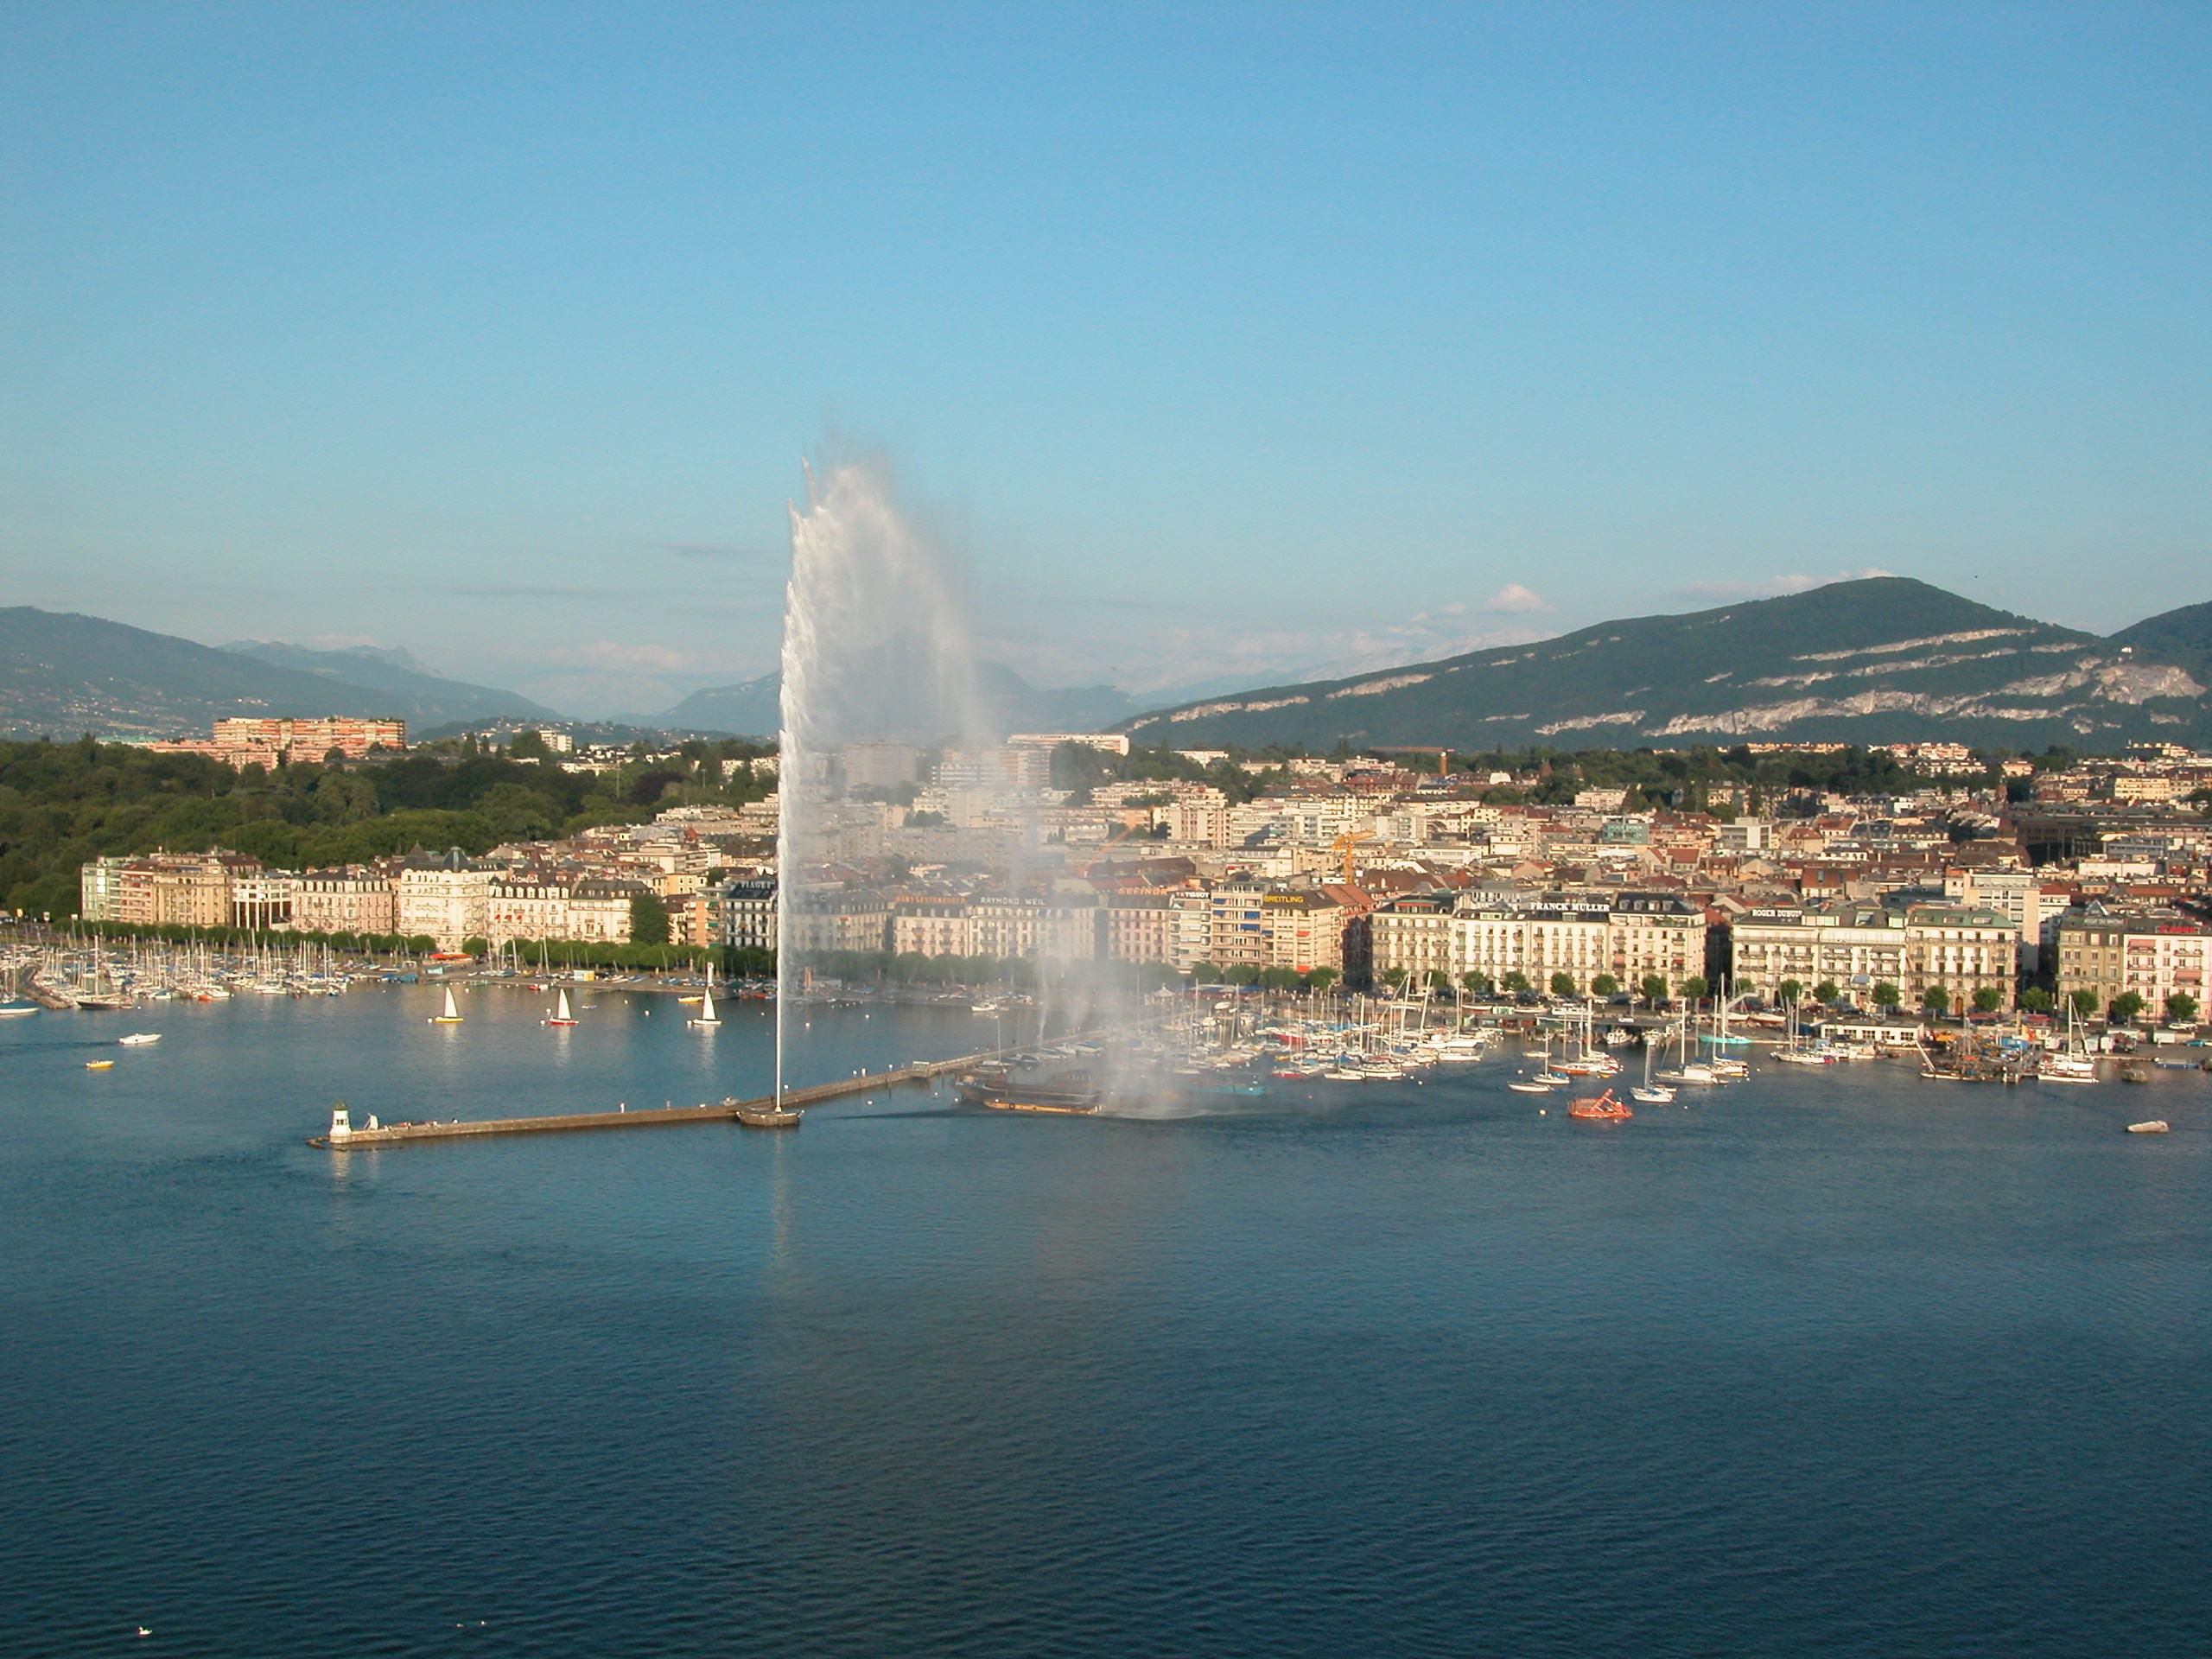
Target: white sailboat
{"points": [[451, 1016], [2072, 1064], [1648, 1092], [561, 1016], [706, 1017]]}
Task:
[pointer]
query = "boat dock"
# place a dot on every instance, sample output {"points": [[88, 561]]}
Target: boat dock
{"points": [[721, 1111]]}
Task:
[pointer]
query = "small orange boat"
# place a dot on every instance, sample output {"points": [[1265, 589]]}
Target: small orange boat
{"points": [[1603, 1106]]}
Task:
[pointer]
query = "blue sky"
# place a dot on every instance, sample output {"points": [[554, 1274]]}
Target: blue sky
{"points": [[1219, 341]]}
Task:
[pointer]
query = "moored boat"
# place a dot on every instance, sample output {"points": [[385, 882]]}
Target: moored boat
{"points": [[1606, 1106], [1011, 1097], [2155, 1126]]}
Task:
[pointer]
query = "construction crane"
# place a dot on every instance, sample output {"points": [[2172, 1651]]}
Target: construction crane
{"points": [[1345, 843]]}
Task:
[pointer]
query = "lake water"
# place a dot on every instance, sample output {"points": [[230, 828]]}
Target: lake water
{"points": [[1834, 1362]]}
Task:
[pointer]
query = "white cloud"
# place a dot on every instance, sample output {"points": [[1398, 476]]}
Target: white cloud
{"points": [[1515, 599]]}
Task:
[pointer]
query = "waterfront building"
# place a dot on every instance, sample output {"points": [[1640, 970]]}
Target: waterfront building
{"points": [[177, 889], [344, 901], [827, 919], [1858, 946], [1305, 930], [262, 899], [746, 915], [1141, 926], [1237, 933], [2155, 954], [447, 899], [1654, 933], [1961, 949], [1539, 935], [1413, 933], [99, 889]]}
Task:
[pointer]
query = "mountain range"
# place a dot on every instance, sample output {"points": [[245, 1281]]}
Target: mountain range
{"points": [[62, 674], [1884, 660]]}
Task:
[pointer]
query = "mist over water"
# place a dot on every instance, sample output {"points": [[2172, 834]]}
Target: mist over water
{"points": [[879, 680], [910, 863]]}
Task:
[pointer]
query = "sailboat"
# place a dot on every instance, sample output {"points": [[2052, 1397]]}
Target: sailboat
{"points": [[1648, 1093], [451, 1016], [2072, 1064], [561, 1016], [707, 1017]]}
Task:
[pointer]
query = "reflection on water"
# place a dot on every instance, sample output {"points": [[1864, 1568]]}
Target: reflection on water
{"points": [[1838, 1363]]}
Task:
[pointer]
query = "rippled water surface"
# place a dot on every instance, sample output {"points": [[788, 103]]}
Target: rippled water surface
{"points": [[1840, 1363]]}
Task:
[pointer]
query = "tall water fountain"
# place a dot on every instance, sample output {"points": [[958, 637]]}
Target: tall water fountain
{"points": [[879, 675]]}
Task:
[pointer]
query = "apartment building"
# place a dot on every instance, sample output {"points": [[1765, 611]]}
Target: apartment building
{"points": [[344, 901]]}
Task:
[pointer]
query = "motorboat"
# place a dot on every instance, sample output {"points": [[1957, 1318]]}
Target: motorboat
{"points": [[139, 1039], [2155, 1126]]}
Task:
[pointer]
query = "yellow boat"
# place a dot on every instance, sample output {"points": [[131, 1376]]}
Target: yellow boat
{"points": [[97, 1065]]}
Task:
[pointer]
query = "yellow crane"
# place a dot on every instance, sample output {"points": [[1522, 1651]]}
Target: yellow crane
{"points": [[1345, 843]]}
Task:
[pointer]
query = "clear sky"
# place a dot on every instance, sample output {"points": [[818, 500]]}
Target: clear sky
{"points": [[1220, 340]]}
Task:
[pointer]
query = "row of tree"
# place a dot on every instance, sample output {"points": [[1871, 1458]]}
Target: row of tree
{"points": [[62, 804]]}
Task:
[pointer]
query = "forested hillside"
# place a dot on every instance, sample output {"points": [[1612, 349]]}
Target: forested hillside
{"points": [[62, 803]]}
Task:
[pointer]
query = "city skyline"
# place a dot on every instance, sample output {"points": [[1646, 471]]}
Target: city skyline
{"points": [[1220, 348]]}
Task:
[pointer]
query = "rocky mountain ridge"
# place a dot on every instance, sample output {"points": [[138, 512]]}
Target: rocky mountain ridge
{"points": [[1884, 659]]}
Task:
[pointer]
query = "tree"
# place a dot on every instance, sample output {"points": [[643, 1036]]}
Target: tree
{"points": [[1935, 1000], [1694, 987], [1205, 973], [1476, 983], [2181, 1009], [529, 746], [1826, 991], [1562, 984], [2126, 1006], [1437, 979], [1516, 982], [1241, 972], [1394, 977], [1604, 985], [1887, 995], [1278, 979], [2036, 1000], [1654, 988], [1321, 978], [1790, 990], [648, 919], [2085, 1003], [476, 947], [1988, 999]]}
